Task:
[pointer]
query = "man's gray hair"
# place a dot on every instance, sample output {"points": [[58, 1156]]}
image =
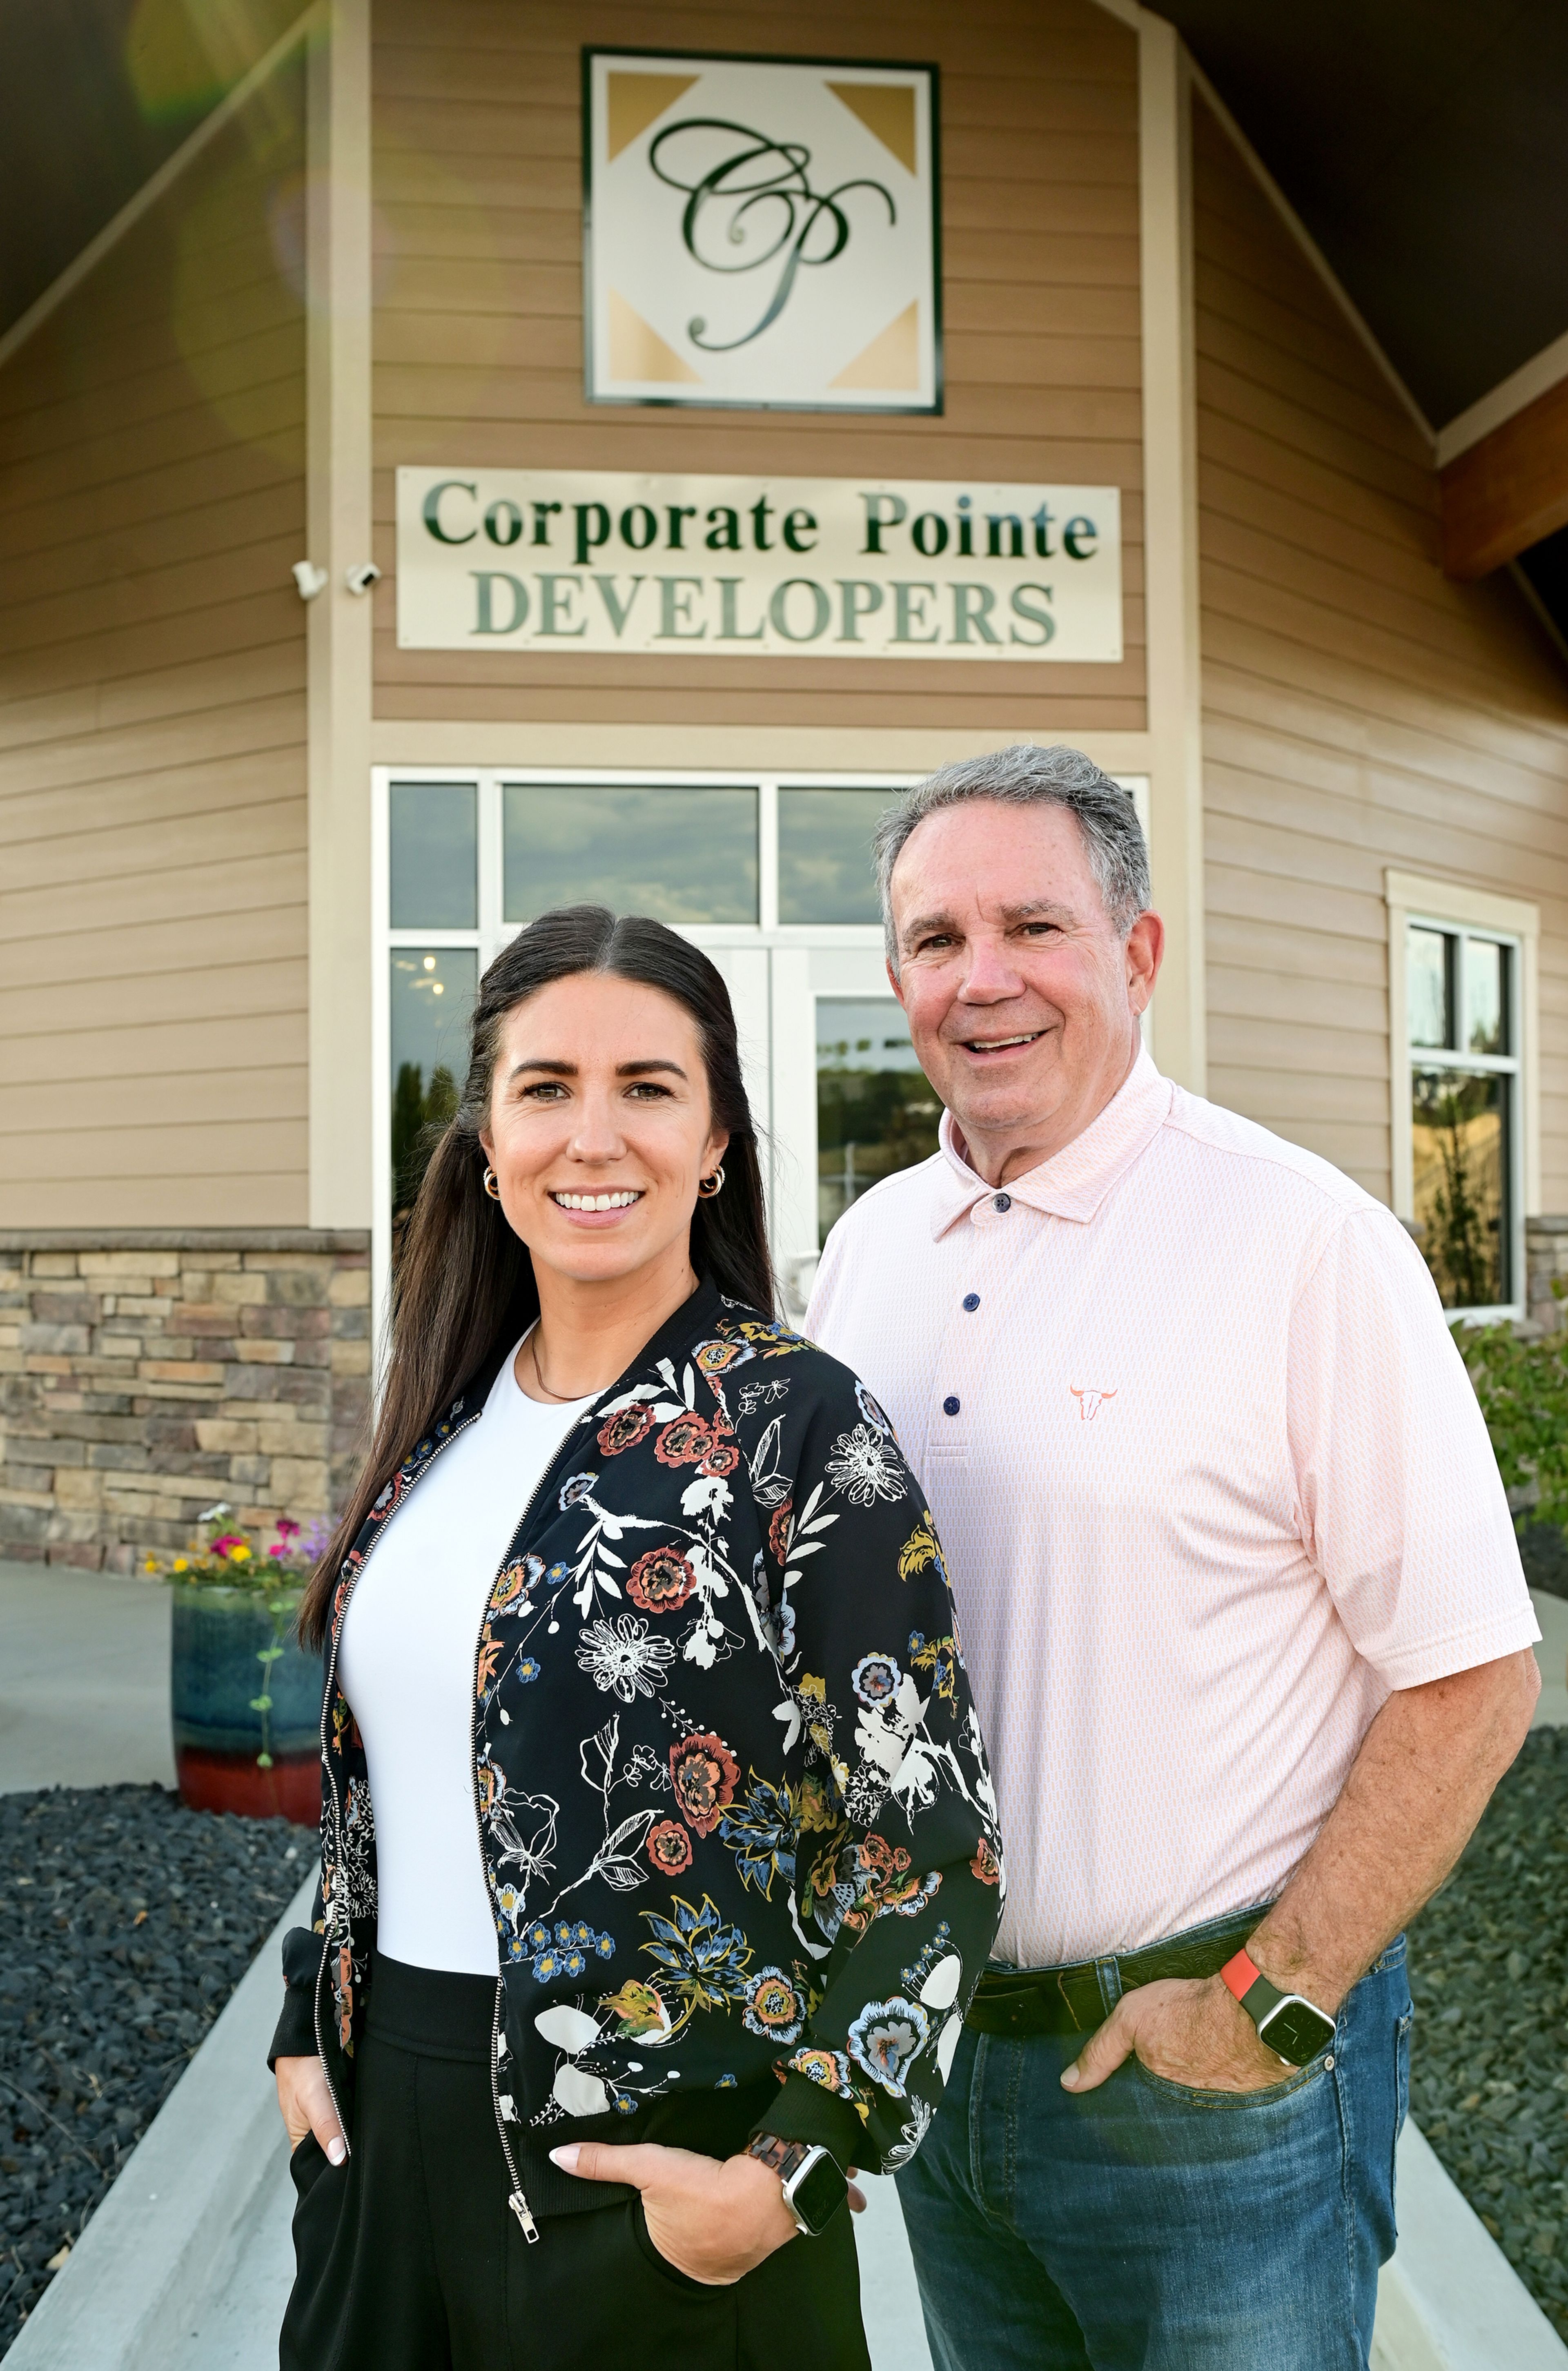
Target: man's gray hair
{"points": [[1025, 776]]}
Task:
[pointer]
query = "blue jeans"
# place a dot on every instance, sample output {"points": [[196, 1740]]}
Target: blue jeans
{"points": [[1145, 2227]]}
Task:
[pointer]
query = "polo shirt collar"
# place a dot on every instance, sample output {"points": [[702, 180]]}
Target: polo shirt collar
{"points": [[1073, 1183]]}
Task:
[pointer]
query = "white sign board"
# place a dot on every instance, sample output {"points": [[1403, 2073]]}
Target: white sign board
{"points": [[760, 232], [854, 568]]}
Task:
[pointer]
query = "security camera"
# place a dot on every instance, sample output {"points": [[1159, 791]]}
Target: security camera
{"points": [[361, 578], [310, 579]]}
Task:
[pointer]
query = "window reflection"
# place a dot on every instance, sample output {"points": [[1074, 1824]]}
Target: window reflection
{"points": [[1427, 970], [875, 1111], [1459, 1146], [680, 855], [1486, 997], [824, 855], [436, 856], [432, 991]]}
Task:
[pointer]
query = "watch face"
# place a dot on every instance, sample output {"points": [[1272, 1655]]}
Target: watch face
{"points": [[1297, 2031], [819, 2194]]}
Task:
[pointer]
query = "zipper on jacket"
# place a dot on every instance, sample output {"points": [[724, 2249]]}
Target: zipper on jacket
{"points": [[328, 1693], [517, 2201]]}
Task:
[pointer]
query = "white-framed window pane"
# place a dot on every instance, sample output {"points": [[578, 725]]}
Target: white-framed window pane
{"points": [[824, 855], [1428, 985], [1462, 1137], [875, 1111], [435, 835], [679, 855], [432, 997], [1486, 997]]}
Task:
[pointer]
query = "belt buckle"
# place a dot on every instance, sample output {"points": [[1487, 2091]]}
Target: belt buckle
{"points": [[1066, 1998]]}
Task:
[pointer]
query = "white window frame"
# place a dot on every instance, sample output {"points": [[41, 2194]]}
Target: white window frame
{"points": [[1454, 905]]}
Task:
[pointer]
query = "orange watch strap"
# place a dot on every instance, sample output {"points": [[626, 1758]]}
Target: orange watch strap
{"points": [[1240, 1974]]}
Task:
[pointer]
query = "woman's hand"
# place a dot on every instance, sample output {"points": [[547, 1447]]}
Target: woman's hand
{"points": [[307, 2104], [714, 2220]]}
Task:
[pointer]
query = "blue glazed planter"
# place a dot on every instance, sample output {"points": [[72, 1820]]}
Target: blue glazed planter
{"points": [[216, 1637]]}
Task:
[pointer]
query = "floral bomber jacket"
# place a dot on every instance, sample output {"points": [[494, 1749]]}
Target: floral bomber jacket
{"points": [[731, 1793]]}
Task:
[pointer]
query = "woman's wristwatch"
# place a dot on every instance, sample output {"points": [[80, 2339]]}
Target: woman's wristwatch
{"points": [[815, 2185]]}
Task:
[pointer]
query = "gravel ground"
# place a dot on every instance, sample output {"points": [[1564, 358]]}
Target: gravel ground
{"points": [[1489, 1973], [1544, 1549], [127, 1922]]}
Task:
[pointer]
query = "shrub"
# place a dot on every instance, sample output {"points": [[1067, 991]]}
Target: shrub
{"points": [[1523, 1390]]}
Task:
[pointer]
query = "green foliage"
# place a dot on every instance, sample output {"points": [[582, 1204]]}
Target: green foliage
{"points": [[418, 1118], [1523, 1390], [890, 1116]]}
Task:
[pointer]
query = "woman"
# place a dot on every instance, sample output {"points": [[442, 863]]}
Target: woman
{"points": [[658, 1846]]}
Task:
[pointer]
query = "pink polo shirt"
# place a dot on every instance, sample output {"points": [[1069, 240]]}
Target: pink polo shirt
{"points": [[1211, 1480]]}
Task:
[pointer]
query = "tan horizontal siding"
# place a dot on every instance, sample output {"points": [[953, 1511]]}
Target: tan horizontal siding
{"points": [[1360, 711], [201, 1048], [478, 330], [152, 719]]}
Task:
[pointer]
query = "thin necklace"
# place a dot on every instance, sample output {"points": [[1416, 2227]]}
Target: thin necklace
{"points": [[562, 1399]]}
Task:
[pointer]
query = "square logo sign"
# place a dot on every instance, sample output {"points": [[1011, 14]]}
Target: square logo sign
{"points": [[761, 232]]}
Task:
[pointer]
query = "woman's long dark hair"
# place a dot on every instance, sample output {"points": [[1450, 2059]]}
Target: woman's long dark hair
{"points": [[465, 1283]]}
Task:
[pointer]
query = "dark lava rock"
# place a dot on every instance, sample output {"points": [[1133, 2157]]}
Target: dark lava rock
{"points": [[1543, 1549], [1489, 1973], [127, 1921]]}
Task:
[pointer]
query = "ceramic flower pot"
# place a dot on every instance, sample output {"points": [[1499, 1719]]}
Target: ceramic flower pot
{"points": [[246, 1701]]}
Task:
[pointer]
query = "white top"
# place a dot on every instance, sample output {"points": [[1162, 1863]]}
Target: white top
{"points": [[406, 1664], [1211, 1481]]}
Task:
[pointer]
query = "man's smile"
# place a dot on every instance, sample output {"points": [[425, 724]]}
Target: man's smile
{"points": [[999, 1045]]}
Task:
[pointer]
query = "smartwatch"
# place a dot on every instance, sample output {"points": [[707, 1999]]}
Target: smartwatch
{"points": [[1294, 2027], [815, 2185]]}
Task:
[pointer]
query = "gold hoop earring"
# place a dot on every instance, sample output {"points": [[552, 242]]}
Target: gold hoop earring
{"points": [[491, 1188], [708, 1187]]}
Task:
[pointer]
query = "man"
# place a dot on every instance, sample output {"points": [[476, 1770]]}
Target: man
{"points": [[1239, 1599]]}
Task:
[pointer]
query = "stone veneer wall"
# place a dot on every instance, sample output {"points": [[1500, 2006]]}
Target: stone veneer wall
{"points": [[1546, 1264], [146, 1375]]}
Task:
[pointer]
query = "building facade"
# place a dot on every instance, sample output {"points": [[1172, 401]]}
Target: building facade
{"points": [[265, 822]]}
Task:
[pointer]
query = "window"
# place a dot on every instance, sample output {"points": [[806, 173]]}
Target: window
{"points": [[1464, 1091], [824, 838], [681, 855], [1460, 1006]]}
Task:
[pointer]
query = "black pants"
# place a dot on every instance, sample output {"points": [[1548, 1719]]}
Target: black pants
{"points": [[408, 2258]]}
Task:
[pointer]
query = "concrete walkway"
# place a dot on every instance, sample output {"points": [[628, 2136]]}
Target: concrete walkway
{"points": [[84, 1678], [1552, 1654]]}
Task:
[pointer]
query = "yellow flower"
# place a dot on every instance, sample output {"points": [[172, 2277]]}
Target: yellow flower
{"points": [[240, 1556], [814, 1688], [919, 1550], [152, 1564], [637, 2009]]}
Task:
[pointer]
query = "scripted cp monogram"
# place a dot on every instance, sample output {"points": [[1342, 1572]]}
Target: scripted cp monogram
{"points": [[756, 196], [761, 231]]}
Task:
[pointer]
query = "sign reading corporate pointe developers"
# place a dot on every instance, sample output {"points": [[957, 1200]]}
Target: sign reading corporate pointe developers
{"points": [[591, 561]]}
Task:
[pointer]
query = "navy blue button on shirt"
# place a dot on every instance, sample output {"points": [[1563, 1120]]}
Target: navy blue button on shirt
{"points": [[950, 1406], [972, 1301], [1001, 1201]]}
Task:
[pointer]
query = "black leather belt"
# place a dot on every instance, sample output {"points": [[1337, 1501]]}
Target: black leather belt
{"points": [[1069, 2000]]}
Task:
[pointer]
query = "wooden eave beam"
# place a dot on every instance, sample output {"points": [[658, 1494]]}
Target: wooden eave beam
{"points": [[1509, 490]]}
